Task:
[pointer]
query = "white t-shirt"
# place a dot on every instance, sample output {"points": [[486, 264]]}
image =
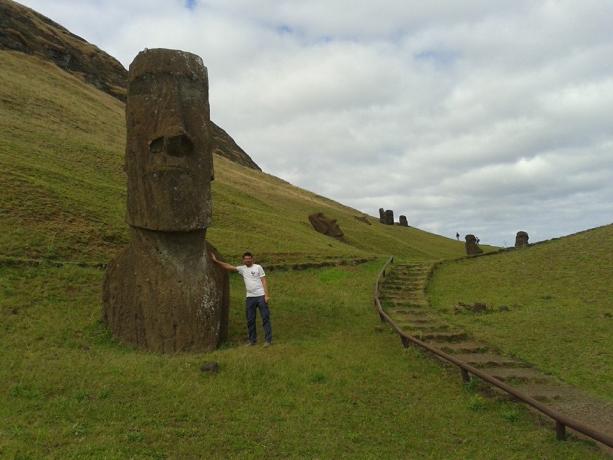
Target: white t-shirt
{"points": [[252, 276]]}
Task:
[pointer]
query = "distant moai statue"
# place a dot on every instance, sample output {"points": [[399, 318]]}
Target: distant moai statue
{"points": [[388, 218], [163, 293], [382, 215], [325, 225], [521, 239], [402, 221], [471, 245]]}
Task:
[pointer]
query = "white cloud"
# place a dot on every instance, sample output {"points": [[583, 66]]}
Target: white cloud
{"points": [[477, 116]]}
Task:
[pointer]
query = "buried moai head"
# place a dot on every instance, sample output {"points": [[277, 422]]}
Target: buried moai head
{"points": [[521, 239], [325, 225], [168, 151], [382, 215], [471, 245], [389, 217], [402, 221]]}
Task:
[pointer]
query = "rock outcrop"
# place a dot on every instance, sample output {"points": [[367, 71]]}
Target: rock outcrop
{"points": [[521, 239], [325, 225], [471, 245], [163, 293], [23, 29], [402, 221]]}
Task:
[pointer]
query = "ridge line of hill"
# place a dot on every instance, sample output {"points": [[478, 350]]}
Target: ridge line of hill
{"points": [[25, 30]]}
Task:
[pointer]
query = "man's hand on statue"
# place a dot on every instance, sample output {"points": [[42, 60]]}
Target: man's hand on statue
{"points": [[213, 258]]}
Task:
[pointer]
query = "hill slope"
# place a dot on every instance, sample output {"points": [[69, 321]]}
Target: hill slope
{"points": [[61, 157], [560, 296], [25, 30]]}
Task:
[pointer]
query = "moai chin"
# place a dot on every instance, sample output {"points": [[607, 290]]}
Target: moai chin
{"points": [[521, 239], [472, 248], [163, 293], [402, 221]]}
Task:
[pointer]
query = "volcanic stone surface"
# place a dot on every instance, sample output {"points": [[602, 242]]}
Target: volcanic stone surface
{"points": [[472, 248], [521, 239], [382, 215], [325, 225], [389, 217], [402, 221], [163, 293]]}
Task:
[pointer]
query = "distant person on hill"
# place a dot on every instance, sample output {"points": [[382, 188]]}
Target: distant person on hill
{"points": [[257, 295], [457, 236]]}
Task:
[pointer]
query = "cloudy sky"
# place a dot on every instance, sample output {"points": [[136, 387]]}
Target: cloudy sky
{"points": [[477, 116]]}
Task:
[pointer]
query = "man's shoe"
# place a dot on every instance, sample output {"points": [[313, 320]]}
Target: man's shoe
{"points": [[267, 344]]}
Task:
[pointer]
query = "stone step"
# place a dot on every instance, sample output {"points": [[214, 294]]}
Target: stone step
{"points": [[420, 329], [488, 360], [464, 347], [452, 336], [414, 312], [517, 375], [395, 303], [546, 393]]}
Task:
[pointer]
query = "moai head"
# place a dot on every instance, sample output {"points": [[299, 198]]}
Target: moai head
{"points": [[402, 220], [325, 225], [382, 215], [521, 240], [471, 246], [168, 151], [389, 217]]}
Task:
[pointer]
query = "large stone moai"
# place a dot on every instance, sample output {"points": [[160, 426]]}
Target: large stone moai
{"points": [[382, 215], [402, 221], [389, 217], [471, 245], [325, 225], [521, 240], [163, 293]]}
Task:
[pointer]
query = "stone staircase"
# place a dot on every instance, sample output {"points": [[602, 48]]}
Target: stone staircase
{"points": [[403, 299]]}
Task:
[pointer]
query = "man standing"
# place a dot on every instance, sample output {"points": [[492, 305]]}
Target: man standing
{"points": [[257, 295]]}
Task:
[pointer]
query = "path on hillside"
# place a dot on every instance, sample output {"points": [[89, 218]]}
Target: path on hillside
{"points": [[403, 298]]}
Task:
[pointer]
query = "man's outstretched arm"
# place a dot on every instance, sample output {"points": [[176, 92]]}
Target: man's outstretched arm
{"points": [[224, 265]]}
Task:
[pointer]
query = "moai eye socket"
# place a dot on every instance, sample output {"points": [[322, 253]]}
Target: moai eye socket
{"points": [[176, 146], [156, 145], [179, 146]]}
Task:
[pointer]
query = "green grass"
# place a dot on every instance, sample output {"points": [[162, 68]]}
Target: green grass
{"points": [[333, 385], [560, 296], [61, 157]]}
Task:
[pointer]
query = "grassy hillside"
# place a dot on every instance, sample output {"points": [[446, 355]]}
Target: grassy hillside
{"points": [[560, 296], [335, 384], [61, 157], [332, 386]]}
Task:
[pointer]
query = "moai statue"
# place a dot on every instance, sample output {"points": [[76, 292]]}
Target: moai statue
{"points": [[325, 225], [402, 221], [389, 217], [521, 240], [472, 247], [163, 293], [382, 215]]}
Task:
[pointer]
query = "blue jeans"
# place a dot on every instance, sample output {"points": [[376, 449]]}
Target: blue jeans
{"points": [[253, 303]]}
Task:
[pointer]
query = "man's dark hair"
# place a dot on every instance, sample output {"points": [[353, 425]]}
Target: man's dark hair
{"points": [[247, 254]]}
